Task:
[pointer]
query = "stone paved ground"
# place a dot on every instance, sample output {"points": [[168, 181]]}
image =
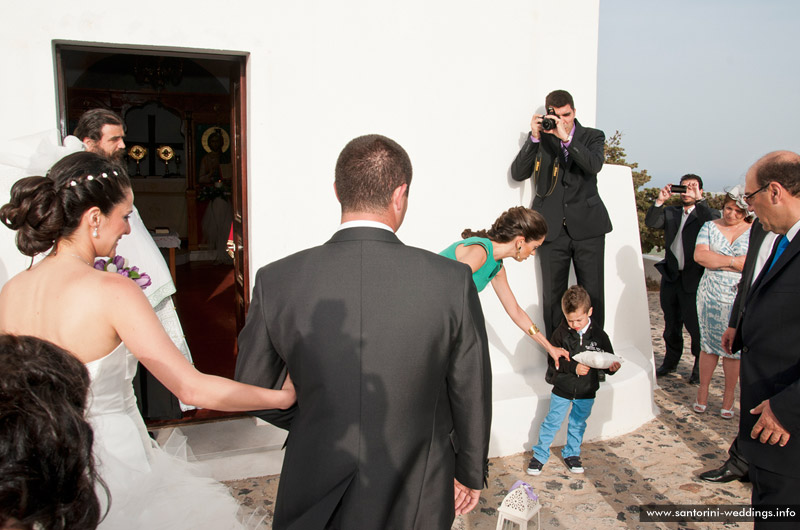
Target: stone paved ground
{"points": [[657, 463]]}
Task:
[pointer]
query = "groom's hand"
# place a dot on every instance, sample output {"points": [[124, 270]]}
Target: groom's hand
{"points": [[465, 498]]}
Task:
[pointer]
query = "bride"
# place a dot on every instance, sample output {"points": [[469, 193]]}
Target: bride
{"points": [[105, 320]]}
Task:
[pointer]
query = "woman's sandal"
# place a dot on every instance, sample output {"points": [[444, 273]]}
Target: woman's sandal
{"points": [[726, 413], [698, 408]]}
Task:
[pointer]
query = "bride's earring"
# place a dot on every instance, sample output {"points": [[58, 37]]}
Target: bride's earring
{"points": [[94, 233], [519, 249]]}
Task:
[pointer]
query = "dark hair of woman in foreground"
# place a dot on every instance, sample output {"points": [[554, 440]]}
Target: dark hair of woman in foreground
{"points": [[47, 473]]}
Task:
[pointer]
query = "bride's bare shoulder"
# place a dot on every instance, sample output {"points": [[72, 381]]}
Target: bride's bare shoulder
{"points": [[117, 285], [16, 283]]}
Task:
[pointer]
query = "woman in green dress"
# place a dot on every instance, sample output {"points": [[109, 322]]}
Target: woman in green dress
{"points": [[517, 233]]}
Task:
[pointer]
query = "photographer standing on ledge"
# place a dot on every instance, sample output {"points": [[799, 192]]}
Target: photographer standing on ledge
{"points": [[563, 158], [680, 273]]}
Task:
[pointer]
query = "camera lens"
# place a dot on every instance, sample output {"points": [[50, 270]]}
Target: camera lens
{"points": [[548, 124]]}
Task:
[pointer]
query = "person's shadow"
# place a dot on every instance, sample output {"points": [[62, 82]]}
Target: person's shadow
{"points": [[332, 384]]}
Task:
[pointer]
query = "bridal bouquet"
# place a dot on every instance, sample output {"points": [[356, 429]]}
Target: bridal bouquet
{"points": [[120, 265]]}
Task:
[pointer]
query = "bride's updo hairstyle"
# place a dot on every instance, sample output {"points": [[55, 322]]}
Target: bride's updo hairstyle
{"points": [[517, 221], [44, 210]]}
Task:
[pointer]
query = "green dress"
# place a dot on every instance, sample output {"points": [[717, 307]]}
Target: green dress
{"points": [[490, 268]]}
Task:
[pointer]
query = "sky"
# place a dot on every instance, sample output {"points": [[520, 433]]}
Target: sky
{"points": [[699, 86]]}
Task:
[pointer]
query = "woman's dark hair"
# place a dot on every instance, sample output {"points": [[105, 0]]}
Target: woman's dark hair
{"points": [[517, 221], [47, 471], [44, 210]]}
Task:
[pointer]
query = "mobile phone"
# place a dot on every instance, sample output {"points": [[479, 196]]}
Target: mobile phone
{"points": [[677, 188]]}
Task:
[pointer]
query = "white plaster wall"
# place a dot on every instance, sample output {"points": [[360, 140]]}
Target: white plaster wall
{"points": [[454, 81]]}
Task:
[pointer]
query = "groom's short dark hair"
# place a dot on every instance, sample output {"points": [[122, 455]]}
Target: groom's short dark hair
{"points": [[368, 171]]}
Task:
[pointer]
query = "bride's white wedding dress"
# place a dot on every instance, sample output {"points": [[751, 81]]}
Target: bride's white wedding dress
{"points": [[149, 488]]}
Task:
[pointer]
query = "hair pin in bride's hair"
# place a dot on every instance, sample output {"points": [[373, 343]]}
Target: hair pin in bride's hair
{"points": [[90, 177]]}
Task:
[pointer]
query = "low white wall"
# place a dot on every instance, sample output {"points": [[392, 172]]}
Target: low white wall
{"points": [[521, 395]]}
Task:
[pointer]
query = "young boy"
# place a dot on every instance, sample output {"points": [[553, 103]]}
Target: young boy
{"points": [[573, 383]]}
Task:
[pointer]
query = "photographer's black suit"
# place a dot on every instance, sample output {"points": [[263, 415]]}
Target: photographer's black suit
{"points": [[679, 287], [566, 195]]}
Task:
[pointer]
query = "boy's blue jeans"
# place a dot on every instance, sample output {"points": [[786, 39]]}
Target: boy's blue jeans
{"points": [[581, 408]]}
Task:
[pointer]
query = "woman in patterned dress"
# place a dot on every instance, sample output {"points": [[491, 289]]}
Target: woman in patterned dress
{"points": [[721, 248]]}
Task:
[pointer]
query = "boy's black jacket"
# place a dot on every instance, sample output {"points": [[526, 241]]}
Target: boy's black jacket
{"points": [[565, 380]]}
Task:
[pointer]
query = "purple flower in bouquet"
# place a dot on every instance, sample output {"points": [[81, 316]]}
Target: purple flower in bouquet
{"points": [[141, 279], [120, 265]]}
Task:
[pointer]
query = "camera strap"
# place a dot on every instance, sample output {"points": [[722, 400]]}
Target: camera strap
{"points": [[537, 167]]}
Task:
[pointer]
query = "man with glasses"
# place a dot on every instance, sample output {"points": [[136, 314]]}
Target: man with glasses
{"points": [[768, 336], [563, 159], [680, 273]]}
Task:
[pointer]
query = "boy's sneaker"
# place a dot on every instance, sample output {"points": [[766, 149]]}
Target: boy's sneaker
{"points": [[534, 466], [574, 464]]}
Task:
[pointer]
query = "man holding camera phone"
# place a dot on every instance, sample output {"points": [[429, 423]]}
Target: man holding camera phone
{"points": [[563, 159], [680, 273]]}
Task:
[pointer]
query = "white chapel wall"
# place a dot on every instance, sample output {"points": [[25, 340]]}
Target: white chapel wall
{"points": [[454, 82]]}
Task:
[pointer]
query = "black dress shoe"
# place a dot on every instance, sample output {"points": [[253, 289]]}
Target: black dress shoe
{"points": [[664, 370], [722, 474]]}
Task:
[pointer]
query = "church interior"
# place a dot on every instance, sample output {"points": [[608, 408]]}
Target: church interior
{"points": [[178, 112]]}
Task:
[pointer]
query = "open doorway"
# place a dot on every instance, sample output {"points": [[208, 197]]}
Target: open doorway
{"points": [[185, 122]]}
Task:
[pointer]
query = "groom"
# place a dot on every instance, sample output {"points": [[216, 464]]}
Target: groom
{"points": [[387, 348]]}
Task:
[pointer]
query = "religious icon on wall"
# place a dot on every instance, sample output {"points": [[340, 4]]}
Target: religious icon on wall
{"points": [[215, 159]]}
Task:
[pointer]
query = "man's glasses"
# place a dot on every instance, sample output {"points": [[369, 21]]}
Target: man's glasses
{"points": [[749, 197]]}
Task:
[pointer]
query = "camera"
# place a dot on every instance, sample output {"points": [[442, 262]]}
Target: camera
{"points": [[548, 124], [677, 188]]}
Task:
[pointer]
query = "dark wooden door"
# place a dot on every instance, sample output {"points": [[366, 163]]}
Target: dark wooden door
{"points": [[226, 108], [241, 263]]}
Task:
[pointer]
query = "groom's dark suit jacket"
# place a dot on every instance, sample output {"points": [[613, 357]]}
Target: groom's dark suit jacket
{"points": [[387, 348], [769, 336]]}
